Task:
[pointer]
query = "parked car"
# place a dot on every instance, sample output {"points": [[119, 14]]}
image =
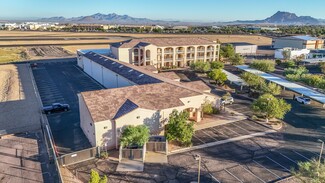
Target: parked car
{"points": [[56, 107], [228, 100], [303, 100]]}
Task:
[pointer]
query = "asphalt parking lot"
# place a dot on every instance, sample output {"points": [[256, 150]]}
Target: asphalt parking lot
{"points": [[227, 131], [259, 159], [60, 81]]}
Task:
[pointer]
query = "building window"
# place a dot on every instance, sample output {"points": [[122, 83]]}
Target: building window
{"points": [[105, 127], [93, 133], [138, 117], [91, 124]]}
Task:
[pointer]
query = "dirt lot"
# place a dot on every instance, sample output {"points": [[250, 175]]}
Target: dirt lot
{"points": [[12, 54], [42, 45], [47, 51], [259, 40], [18, 104]]}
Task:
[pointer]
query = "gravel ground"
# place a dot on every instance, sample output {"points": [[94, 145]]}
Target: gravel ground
{"points": [[19, 108]]}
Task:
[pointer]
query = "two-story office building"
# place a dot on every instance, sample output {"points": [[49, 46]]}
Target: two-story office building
{"points": [[166, 52]]}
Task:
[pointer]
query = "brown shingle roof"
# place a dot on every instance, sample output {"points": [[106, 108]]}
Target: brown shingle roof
{"points": [[198, 85], [162, 42], [170, 75], [104, 104]]}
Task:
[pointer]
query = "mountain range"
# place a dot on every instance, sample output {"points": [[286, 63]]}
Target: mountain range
{"points": [[279, 18]]}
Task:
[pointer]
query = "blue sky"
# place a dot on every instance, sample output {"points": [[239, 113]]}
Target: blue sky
{"points": [[188, 10]]}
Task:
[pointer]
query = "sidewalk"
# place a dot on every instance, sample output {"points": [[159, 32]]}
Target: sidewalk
{"points": [[229, 116], [220, 142]]}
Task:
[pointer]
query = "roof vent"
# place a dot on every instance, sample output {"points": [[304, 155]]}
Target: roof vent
{"points": [[130, 70], [121, 66], [141, 75], [113, 63]]}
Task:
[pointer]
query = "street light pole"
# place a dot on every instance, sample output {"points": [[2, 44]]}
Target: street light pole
{"points": [[321, 152], [198, 158]]}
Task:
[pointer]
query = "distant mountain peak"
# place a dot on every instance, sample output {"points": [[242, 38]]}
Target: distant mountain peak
{"points": [[283, 17], [280, 17]]}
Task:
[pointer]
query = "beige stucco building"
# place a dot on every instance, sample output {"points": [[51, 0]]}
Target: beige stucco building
{"points": [[298, 42], [166, 52], [135, 96]]}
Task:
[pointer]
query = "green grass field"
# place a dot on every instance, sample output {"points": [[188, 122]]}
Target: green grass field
{"points": [[12, 54]]}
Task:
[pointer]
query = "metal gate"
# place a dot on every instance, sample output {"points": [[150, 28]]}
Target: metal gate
{"points": [[79, 156], [156, 146]]}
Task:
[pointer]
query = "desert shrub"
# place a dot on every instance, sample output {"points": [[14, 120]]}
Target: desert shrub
{"points": [[263, 65], [103, 155]]}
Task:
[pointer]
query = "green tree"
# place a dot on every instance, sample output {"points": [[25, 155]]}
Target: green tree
{"points": [[271, 107], [236, 59], [289, 64], [94, 176], [310, 171], [263, 65], [218, 76], [286, 54], [322, 67], [217, 65], [135, 135], [273, 89], [227, 51], [254, 81], [103, 179], [200, 66], [179, 129]]}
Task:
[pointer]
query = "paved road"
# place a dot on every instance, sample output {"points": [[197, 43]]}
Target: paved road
{"points": [[60, 82]]}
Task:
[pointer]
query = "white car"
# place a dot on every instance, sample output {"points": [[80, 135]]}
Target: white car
{"points": [[303, 100], [228, 100]]}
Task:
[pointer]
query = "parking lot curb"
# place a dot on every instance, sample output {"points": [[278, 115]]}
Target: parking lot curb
{"points": [[221, 142]]}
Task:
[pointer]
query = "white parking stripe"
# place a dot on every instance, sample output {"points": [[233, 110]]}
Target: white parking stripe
{"points": [[246, 123], [231, 130], [240, 127], [199, 139], [301, 155], [208, 135], [214, 178], [277, 163], [267, 169], [233, 175], [288, 158], [252, 173]]}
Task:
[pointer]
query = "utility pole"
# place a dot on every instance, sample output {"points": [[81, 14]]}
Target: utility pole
{"points": [[321, 152]]}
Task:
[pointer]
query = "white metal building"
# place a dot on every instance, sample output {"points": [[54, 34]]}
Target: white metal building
{"points": [[244, 48], [292, 53], [299, 42]]}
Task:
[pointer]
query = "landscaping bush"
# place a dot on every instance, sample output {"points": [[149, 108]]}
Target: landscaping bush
{"points": [[103, 155], [135, 135], [218, 76], [263, 65], [179, 129], [296, 71], [216, 65], [322, 67], [278, 62], [207, 108], [236, 59], [200, 66], [289, 64], [301, 74]]}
